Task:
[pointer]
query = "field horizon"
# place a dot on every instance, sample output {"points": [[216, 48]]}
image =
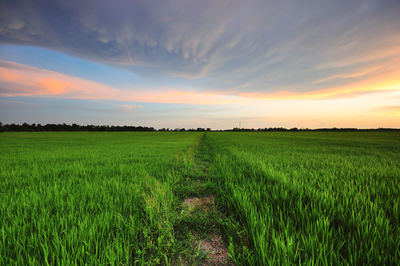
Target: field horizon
{"points": [[33, 127]]}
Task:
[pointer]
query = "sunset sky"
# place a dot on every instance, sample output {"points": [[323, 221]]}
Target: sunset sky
{"points": [[208, 63]]}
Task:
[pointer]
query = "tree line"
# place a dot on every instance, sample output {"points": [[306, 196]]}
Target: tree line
{"points": [[25, 127], [73, 127]]}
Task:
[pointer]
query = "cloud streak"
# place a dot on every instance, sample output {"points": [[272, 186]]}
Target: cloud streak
{"points": [[393, 110], [21, 80], [384, 81]]}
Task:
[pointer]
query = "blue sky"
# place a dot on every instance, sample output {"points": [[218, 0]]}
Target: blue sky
{"points": [[179, 63]]}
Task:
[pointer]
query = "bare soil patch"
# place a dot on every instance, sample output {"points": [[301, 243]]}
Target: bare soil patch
{"points": [[216, 250], [204, 203], [213, 245]]}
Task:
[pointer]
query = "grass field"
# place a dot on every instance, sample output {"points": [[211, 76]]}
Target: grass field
{"points": [[90, 197], [282, 197], [311, 197]]}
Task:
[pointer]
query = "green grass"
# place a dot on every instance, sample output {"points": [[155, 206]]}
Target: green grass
{"points": [[91, 198], [310, 197], [115, 198]]}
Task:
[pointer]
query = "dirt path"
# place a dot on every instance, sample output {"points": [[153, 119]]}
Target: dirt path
{"points": [[200, 218]]}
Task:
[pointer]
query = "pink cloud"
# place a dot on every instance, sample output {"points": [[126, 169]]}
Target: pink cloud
{"points": [[22, 80]]}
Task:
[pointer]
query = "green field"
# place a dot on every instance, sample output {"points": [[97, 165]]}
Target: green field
{"points": [[282, 197]]}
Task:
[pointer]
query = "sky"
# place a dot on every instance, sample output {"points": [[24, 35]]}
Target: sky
{"points": [[209, 63]]}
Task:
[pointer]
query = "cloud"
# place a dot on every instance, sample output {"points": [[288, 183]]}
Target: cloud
{"points": [[247, 47], [382, 81], [390, 110], [364, 71], [22, 80], [130, 107]]}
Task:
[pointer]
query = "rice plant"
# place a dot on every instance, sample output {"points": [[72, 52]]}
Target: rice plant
{"points": [[310, 197]]}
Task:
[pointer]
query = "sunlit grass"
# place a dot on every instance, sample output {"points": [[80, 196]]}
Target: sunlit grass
{"points": [[115, 198], [90, 198], [309, 197]]}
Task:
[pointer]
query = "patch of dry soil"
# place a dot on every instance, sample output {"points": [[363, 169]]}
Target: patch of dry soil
{"points": [[213, 245], [216, 250], [204, 203]]}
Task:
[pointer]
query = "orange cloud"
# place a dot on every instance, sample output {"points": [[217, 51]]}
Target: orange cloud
{"points": [[9, 75], [391, 110], [364, 72], [22, 80], [54, 86], [388, 80]]}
